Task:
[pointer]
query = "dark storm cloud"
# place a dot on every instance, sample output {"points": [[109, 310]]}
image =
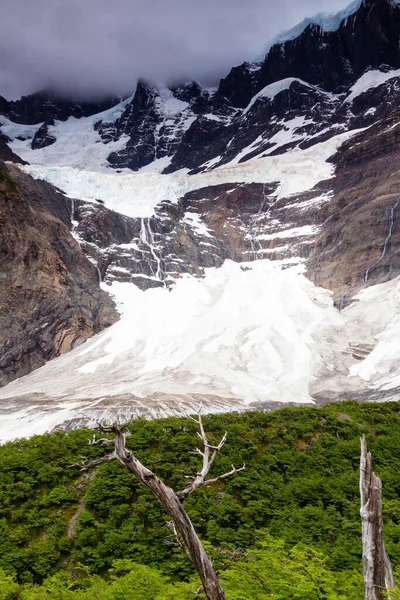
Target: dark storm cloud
{"points": [[101, 46]]}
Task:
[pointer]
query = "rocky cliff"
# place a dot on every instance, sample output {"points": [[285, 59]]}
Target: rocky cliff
{"points": [[50, 299]]}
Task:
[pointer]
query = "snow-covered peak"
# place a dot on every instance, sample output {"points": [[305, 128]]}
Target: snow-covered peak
{"points": [[168, 104], [112, 114], [327, 22]]}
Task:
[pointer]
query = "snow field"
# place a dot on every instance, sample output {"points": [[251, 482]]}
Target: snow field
{"points": [[78, 144], [370, 79], [246, 335], [270, 91], [239, 336]]}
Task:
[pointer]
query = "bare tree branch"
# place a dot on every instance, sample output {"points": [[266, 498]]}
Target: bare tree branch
{"points": [[177, 539], [197, 592], [85, 466], [100, 441], [208, 460], [225, 475]]}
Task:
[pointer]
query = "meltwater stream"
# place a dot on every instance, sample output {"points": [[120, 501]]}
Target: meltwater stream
{"points": [[255, 245], [147, 238]]}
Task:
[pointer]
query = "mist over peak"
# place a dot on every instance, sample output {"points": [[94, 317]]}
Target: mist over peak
{"points": [[96, 49]]}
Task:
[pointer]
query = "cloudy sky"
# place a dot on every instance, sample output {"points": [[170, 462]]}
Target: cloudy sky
{"points": [[101, 46]]}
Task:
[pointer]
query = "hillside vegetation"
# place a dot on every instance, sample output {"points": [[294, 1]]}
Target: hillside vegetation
{"points": [[286, 527]]}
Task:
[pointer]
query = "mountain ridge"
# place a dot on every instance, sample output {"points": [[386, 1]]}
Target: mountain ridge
{"points": [[195, 134], [182, 191]]}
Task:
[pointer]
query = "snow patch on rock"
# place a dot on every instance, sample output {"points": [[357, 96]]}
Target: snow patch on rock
{"points": [[270, 91], [370, 79]]}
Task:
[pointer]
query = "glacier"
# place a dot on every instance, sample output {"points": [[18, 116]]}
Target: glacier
{"points": [[136, 194], [242, 337]]}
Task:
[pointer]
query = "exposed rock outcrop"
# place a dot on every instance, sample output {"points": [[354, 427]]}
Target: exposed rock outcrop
{"points": [[6, 154], [43, 137], [50, 299], [46, 106], [356, 222]]}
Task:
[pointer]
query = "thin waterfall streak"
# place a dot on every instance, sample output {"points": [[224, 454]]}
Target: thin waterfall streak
{"points": [[74, 223], [255, 244], [99, 273], [144, 240], [386, 242], [72, 211], [342, 302], [146, 237], [95, 264], [343, 299]]}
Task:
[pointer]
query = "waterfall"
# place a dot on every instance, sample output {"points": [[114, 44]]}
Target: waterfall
{"points": [[98, 273], [146, 237], [387, 240], [254, 243], [95, 264], [74, 223], [342, 302], [71, 216]]}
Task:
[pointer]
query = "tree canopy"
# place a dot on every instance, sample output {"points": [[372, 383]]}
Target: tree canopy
{"points": [[295, 507]]}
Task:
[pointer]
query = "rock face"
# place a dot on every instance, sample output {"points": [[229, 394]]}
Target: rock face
{"points": [[202, 230], [155, 123], [42, 137], [359, 242], [334, 60], [46, 106], [50, 299], [6, 154]]}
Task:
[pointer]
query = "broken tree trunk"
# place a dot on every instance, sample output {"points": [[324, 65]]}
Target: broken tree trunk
{"points": [[378, 574], [174, 507], [173, 501]]}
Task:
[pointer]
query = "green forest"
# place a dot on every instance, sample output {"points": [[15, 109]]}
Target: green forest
{"points": [[287, 527]]}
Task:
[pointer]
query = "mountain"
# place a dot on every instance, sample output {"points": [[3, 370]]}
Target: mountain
{"points": [[252, 112], [175, 194]]}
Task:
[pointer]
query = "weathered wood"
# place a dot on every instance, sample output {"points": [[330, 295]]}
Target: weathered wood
{"points": [[378, 574], [174, 507], [208, 459], [171, 501]]}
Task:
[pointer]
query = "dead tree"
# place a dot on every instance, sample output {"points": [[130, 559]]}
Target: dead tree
{"points": [[172, 501], [378, 574]]}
